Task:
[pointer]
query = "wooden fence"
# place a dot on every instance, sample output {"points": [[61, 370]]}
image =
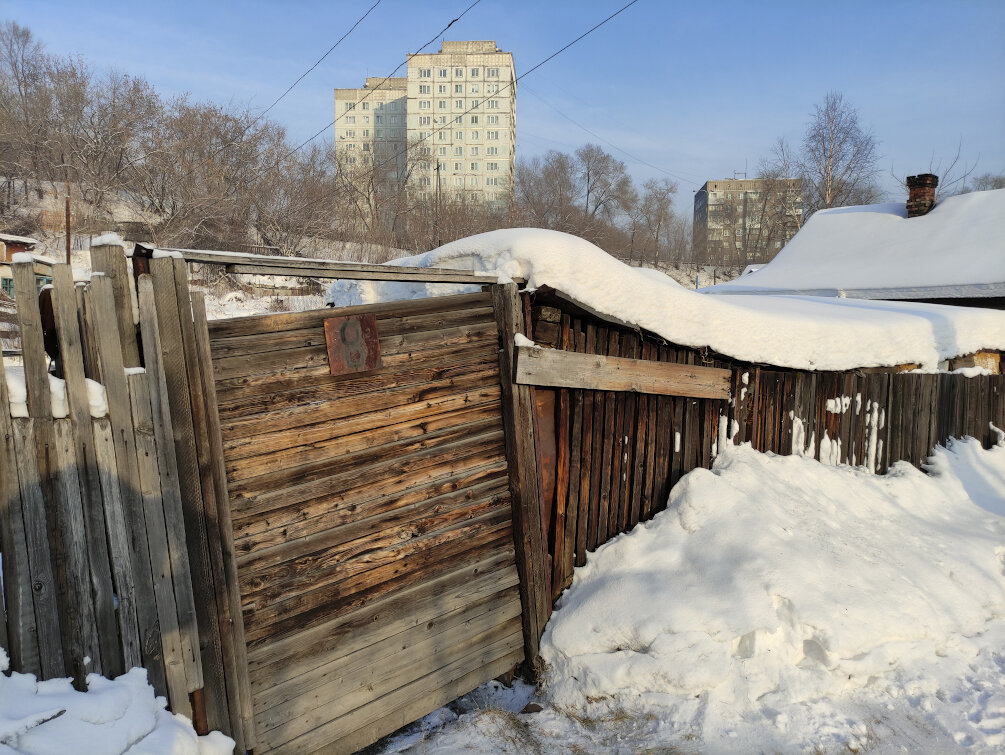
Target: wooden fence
{"points": [[608, 458], [95, 560], [372, 517]]}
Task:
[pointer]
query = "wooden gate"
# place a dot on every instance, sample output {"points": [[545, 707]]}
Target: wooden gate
{"points": [[371, 518]]}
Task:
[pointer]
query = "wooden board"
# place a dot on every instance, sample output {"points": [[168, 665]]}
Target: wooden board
{"points": [[551, 367]]}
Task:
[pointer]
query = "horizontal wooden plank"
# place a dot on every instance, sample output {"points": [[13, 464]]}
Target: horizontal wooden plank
{"points": [[328, 466], [419, 371], [342, 696], [364, 540], [349, 485], [567, 369], [340, 446], [234, 391], [289, 585], [482, 386], [265, 624], [424, 275], [277, 545], [273, 323], [352, 680], [343, 508], [408, 703], [258, 343], [280, 660]]}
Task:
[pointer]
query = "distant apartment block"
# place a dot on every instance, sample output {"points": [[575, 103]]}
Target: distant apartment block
{"points": [[744, 221], [448, 127]]}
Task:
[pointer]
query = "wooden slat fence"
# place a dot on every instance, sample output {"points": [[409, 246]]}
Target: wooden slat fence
{"points": [[371, 518], [608, 459], [95, 573]]}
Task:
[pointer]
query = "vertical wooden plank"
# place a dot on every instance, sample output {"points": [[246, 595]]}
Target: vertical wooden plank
{"points": [[17, 593], [629, 348], [598, 519], [101, 300], [109, 658], [111, 261], [156, 537], [518, 421], [563, 443], [35, 452], [173, 512], [176, 379], [650, 484], [214, 536], [224, 524], [608, 481], [641, 419], [587, 502], [118, 543]]}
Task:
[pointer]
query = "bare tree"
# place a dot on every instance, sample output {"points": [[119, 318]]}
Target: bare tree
{"points": [[838, 158], [986, 182], [653, 223]]}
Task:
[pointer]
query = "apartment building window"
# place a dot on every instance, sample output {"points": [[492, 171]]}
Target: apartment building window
{"points": [[457, 119], [474, 120], [474, 167], [395, 120], [459, 136], [458, 89], [394, 105], [458, 72], [474, 151], [442, 136], [350, 106], [493, 120], [441, 89], [442, 104], [379, 120], [492, 73], [351, 160], [473, 181], [443, 73], [424, 119], [458, 151], [380, 106], [425, 73], [459, 104], [492, 181], [366, 147], [458, 166], [425, 181], [492, 151], [474, 73], [350, 145], [423, 104], [492, 88], [493, 104], [350, 133], [380, 133], [491, 166], [366, 133], [366, 105], [442, 151], [475, 136], [493, 135], [424, 88], [474, 89], [458, 182], [366, 118]]}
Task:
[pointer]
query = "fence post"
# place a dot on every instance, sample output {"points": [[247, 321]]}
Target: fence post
{"points": [[524, 488]]}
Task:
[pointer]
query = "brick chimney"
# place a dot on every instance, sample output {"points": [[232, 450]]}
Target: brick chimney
{"points": [[921, 194]]}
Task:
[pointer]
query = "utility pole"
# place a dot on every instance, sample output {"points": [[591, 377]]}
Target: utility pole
{"points": [[68, 229], [436, 217]]}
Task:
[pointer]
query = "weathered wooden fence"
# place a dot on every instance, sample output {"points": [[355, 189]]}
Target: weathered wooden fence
{"points": [[372, 518], [95, 560], [608, 458]]}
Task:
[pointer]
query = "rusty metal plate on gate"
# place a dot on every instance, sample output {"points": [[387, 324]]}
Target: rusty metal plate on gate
{"points": [[353, 344]]}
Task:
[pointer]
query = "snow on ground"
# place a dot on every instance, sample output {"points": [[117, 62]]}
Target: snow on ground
{"points": [[790, 331], [877, 246], [777, 605], [120, 716]]}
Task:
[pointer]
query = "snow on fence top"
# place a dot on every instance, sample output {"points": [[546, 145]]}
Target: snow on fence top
{"points": [[800, 332], [960, 243]]}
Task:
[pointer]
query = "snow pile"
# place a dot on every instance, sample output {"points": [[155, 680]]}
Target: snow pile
{"points": [[789, 331], [780, 604], [18, 394], [111, 717], [108, 239], [961, 241]]}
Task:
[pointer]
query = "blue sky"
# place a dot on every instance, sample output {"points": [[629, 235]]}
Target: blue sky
{"points": [[697, 90]]}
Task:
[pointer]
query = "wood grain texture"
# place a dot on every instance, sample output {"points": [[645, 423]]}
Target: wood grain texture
{"points": [[551, 367]]}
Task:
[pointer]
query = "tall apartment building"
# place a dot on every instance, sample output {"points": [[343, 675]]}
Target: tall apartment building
{"points": [[447, 128], [744, 221]]}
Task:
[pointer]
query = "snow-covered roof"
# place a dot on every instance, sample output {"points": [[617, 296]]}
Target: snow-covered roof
{"points": [[801, 332], [8, 238], [876, 252]]}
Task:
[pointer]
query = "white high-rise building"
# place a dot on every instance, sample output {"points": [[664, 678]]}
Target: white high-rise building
{"points": [[451, 121]]}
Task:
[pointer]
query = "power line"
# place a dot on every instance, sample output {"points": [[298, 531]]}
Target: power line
{"points": [[478, 104], [608, 141]]}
